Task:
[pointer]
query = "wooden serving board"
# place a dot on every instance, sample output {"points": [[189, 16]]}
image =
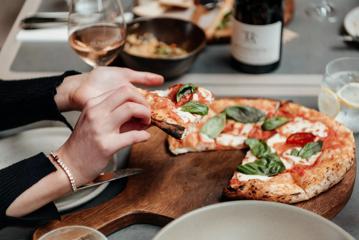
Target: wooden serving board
{"points": [[174, 185]]}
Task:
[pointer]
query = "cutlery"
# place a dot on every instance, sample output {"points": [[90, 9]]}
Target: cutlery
{"points": [[42, 20], [111, 176]]}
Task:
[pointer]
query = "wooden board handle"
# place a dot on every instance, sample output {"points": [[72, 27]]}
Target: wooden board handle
{"points": [[108, 217]]}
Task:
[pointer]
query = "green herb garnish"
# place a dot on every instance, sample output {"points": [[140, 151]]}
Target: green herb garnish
{"points": [[274, 123], [195, 107], [184, 90], [214, 126], [308, 150], [244, 114]]}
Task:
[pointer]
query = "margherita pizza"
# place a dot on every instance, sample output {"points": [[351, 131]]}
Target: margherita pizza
{"points": [[294, 153], [306, 154], [174, 110]]}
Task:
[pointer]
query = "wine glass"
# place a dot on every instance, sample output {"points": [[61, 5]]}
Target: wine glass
{"points": [[339, 95], [97, 30], [322, 10], [74, 232]]}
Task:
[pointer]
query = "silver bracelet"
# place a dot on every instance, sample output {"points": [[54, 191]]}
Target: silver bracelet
{"points": [[66, 170]]}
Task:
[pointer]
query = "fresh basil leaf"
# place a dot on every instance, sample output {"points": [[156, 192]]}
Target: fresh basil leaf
{"points": [[253, 168], [310, 149], [244, 114], [214, 126], [274, 122], [258, 147], [295, 152], [267, 166], [195, 107], [185, 89]]}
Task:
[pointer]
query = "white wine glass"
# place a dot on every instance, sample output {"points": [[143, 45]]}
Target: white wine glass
{"points": [[322, 10], [97, 30]]}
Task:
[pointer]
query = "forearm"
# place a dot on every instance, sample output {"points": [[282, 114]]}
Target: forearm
{"points": [[26, 101], [29, 176], [43, 192]]}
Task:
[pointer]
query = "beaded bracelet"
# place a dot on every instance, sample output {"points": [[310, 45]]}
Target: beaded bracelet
{"points": [[66, 170]]}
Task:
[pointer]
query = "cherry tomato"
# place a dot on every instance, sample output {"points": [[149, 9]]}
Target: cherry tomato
{"points": [[300, 139], [185, 99], [173, 92]]}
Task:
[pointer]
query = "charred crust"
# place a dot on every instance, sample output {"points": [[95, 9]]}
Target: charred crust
{"points": [[173, 130]]}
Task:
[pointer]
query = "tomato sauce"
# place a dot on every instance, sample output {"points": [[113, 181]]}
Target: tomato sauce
{"points": [[258, 133]]}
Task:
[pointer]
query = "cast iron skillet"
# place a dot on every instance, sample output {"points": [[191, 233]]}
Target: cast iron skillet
{"points": [[169, 30]]}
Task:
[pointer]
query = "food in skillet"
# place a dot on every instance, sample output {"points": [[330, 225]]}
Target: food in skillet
{"points": [[147, 45]]}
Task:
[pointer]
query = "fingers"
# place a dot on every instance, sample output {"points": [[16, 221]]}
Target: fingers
{"points": [[128, 138], [145, 78], [133, 124], [129, 111], [110, 101]]}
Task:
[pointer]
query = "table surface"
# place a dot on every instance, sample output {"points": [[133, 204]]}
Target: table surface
{"points": [[297, 78]]}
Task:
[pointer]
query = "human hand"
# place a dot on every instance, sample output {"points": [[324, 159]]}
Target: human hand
{"points": [[76, 90], [108, 123]]}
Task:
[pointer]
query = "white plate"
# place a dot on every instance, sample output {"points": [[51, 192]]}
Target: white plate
{"points": [[31, 142], [351, 22], [252, 220]]}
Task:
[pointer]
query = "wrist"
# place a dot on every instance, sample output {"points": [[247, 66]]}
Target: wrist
{"points": [[75, 170], [65, 91], [63, 184]]}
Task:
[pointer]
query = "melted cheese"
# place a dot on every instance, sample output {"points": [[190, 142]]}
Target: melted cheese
{"points": [[207, 95], [230, 140], [301, 125], [243, 177], [187, 117], [247, 129], [298, 160], [249, 158], [277, 138], [162, 93]]}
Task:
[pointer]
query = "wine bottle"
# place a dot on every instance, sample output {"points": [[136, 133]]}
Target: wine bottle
{"points": [[256, 44]]}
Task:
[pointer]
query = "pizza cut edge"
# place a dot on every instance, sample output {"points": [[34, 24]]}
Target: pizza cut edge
{"points": [[175, 109], [234, 133]]}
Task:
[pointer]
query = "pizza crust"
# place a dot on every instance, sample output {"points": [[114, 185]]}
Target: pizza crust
{"points": [[303, 182]]}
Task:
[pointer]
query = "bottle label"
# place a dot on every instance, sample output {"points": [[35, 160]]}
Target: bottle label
{"points": [[256, 44]]}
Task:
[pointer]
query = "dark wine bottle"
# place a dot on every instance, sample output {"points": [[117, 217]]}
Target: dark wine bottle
{"points": [[256, 44]]}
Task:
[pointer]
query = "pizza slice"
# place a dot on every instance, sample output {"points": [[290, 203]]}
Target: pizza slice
{"points": [[227, 125], [307, 154], [174, 110]]}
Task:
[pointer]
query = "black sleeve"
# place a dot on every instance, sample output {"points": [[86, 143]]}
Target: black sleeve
{"points": [[27, 101], [15, 179]]}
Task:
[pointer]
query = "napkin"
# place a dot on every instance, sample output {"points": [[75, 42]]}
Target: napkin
{"points": [[55, 34], [43, 35]]}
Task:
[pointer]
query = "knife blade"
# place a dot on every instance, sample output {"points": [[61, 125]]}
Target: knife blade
{"points": [[112, 176]]}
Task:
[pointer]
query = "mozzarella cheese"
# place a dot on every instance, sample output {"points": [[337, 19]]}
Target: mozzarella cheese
{"points": [[162, 93], [301, 125], [208, 96], [187, 117], [243, 177], [247, 129], [298, 160], [230, 140], [249, 158], [275, 139]]}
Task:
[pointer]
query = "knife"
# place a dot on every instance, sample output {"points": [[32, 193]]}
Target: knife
{"points": [[112, 176], [42, 20]]}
